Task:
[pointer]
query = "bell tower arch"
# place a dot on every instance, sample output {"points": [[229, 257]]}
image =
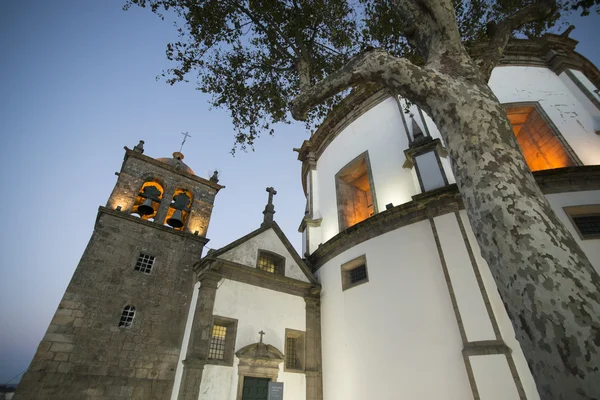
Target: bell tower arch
{"points": [[119, 326]]}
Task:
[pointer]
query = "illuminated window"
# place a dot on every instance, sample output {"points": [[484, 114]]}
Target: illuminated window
{"points": [[294, 350], [127, 317], [144, 263], [354, 273], [222, 341], [586, 220], [354, 189], [271, 262], [217, 342], [541, 143]]}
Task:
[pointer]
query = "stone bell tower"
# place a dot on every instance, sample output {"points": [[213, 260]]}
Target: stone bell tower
{"points": [[118, 329]]}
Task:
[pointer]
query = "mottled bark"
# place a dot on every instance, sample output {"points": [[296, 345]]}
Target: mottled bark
{"points": [[549, 286], [551, 290]]}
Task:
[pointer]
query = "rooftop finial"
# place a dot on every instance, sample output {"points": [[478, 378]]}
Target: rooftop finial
{"points": [[215, 177], [139, 147], [185, 136], [269, 208], [261, 333]]}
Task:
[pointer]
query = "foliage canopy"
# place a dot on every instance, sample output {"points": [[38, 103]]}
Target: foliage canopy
{"points": [[255, 56]]}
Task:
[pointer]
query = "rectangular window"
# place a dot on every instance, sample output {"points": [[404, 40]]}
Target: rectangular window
{"points": [[271, 262], [294, 350], [586, 220], [541, 143], [216, 350], [144, 263], [222, 341], [290, 353], [355, 197], [127, 317], [354, 273]]}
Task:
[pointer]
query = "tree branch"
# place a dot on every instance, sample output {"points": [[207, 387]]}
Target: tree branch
{"points": [[270, 35], [376, 66], [531, 13]]}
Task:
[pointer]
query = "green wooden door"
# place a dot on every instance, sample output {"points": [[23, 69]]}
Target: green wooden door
{"points": [[255, 388]]}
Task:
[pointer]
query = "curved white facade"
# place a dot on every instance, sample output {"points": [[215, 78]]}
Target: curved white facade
{"points": [[430, 299]]}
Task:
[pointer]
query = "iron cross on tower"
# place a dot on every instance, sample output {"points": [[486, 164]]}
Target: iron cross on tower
{"points": [[185, 136]]}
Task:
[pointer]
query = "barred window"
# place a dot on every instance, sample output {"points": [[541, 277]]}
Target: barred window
{"points": [[586, 220], [222, 341], [588, 224], [294, 350], [127, 317], [358, 274], [354, 273], [290, 354], [217, 342], [144, 263], [271, 262]]}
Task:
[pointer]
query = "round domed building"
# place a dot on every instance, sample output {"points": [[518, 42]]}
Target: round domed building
{"points": [[409, 308]]}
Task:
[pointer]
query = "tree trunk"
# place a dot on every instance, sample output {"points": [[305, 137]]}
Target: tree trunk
{"points": [[550, 288]]}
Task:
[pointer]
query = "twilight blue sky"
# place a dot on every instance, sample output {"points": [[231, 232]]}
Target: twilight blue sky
{"points": [[78, 83]]}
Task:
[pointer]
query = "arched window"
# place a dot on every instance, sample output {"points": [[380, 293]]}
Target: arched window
{"points": [[148, 199], [127, 317], [541, 143], [179, 209]]}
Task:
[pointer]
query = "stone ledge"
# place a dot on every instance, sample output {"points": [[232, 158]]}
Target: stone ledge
{"points": [[485, 347], [150, 224], [441, 201]]}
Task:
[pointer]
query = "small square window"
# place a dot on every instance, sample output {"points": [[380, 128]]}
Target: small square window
{"points": [[127, 317], [354, 273], [294, 350], [270, 262], [586, 220], [144, 263], [222, 341]]}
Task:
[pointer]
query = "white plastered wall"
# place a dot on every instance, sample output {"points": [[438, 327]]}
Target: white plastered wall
{"points": [[394, 337], [380, 132], [559, 200], [247, 253], [255, 309], [504, 325], [513, 84]]}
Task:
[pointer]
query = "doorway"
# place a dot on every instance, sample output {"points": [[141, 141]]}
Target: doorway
{"points": [[255, 388]]}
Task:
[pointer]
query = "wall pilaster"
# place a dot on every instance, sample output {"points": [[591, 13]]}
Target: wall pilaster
{"points": [[313, 363], [197, 353]]}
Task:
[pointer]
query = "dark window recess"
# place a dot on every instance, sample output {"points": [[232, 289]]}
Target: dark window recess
{"points": [[271, 263], [358, 274], [290, 355], [588, 225], [144, 263], [127, 317], [216, 350]]}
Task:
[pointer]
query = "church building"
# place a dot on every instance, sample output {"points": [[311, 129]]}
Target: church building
{"points": [[389, 298]]}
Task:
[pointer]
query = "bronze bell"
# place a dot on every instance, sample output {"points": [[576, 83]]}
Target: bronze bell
{"points": [[175, 221], [146, 207]]}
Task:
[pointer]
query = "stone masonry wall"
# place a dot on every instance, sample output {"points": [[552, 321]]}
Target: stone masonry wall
{"points": [[84, 353]]}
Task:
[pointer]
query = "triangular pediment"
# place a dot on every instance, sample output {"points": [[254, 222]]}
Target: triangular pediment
{"points": [[270, 239]]}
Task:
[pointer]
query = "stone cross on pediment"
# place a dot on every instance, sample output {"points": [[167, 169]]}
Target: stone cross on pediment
{"points": [[272, 192], [269, 208]]}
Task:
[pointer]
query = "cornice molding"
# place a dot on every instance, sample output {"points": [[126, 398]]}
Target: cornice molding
{"points": [[442, 201]]}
